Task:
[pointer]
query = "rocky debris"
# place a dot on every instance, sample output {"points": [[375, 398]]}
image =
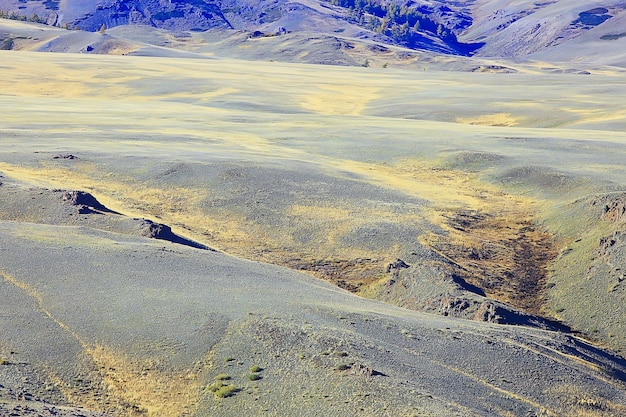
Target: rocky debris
{"points": [[164, 232], [612, 252], [23, 404], [85, 202], [362, 370], [65, 156], [176, 16], [494, 69], [436, 287], [615, 211], [492, 311], [396, 265], [607, 242]]}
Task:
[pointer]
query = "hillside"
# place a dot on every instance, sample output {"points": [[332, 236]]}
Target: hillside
{"points": [[573, 31], [450, 206], [312, 207]]}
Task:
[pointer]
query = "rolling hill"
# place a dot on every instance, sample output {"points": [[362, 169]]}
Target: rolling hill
{"points": [[199, 219]]}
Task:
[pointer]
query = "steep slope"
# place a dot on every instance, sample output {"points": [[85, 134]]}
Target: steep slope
{"points": [[428, 25], [551, 30], [565, 31]]}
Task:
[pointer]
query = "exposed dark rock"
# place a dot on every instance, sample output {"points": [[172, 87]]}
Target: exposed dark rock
{"points": [[615, 211], [610, 207], [68, 155], [592, 17], [161, 231], [396, 265], [492, 311], [86, 203]]}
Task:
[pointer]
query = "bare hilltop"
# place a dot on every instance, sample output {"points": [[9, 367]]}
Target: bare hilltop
{"points": [[302, 208]]}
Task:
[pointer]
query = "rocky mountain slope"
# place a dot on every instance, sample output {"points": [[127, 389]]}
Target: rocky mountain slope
{"points": [[489, 28]]}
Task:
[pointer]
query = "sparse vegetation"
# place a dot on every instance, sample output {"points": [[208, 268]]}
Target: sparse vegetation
{"points": [[401, 23], [221, 390], [34, 18], [254, 377], [255, 368], [226, 391], [222, 377]]}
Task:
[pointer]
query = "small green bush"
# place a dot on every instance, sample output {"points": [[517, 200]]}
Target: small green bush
{"points": [[254, 377], [255, 368], [222, 377], [221, 390], [226, 391]]}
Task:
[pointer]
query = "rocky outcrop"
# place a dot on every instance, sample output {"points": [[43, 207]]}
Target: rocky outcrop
{"points": [[85, 202], [173, 15], [164, 232], [615, 209]]}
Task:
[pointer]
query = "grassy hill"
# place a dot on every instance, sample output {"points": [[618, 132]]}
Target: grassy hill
{"points": [[209, 222], [440, 191]]}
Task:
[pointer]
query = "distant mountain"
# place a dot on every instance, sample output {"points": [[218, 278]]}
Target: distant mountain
{"points": [[566, 30], [523, 28], [418, 25]]}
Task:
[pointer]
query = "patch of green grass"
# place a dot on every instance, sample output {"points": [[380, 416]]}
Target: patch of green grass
{"points": [[221, 390], [226, 391], [222, 377], [255, 368], [254, 377]]}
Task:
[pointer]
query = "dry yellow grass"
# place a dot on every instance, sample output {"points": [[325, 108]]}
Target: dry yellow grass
{"points": [[345, 100], [130, 386], [497, 119], [141, 387], [504, 219]]}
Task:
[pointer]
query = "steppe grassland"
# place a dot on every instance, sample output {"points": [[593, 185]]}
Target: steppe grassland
{"points": [[383, 127]]}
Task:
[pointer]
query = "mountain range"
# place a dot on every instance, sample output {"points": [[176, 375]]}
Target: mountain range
{"points": [[523, 29]]}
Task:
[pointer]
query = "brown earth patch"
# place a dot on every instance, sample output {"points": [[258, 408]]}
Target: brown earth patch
{"points": [[349, 274], [506, 256]]}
